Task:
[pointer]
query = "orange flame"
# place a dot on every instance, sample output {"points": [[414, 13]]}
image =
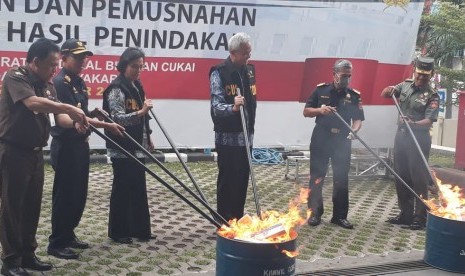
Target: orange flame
{"points": [[247, 227], [290, 254], [451, 204]]}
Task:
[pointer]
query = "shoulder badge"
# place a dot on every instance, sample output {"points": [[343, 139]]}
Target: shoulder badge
{"points": [[321, 84], [355, 91], [20, 71]]}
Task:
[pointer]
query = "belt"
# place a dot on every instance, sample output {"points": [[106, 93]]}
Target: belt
{"points": [[405, 130], [20, 146]]}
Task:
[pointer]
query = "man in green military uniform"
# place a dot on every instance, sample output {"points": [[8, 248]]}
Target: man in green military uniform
{"points": [[419, 102]]}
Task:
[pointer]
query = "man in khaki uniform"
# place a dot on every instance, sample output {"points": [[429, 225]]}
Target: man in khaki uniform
{"points": [[419, 102], [27, 108]]}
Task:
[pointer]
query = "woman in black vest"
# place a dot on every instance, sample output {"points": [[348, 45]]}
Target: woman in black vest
{"points": [[125, 101]]}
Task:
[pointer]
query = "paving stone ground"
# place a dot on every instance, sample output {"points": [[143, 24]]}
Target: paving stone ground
{"points": [[186, 241]]}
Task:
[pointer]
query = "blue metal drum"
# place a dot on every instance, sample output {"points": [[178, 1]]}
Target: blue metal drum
{"points": [[241, 258], [445, 244]]}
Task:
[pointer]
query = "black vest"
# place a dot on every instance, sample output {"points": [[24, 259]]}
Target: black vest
{"points": [[231, 79], [134, 101]]}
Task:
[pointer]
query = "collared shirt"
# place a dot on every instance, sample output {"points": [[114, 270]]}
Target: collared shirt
{"points": [[223, 109], [72, 90], [116, 100], [19, 125], [418, 103], [347, 102]]}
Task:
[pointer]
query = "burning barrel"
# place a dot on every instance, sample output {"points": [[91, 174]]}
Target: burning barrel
{"points": [[237, 257], [261, 246], [445, 243], [445, 229]]}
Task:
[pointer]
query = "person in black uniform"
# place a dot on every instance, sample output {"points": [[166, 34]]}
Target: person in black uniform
{"points": [[419, 102], [27, 104], [125, 101], [233, 165], [69, 153], [332, 140]]}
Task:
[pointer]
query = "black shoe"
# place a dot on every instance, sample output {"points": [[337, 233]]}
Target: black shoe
{"points": [[343, 223], [34, 263], [146, 239], [14, 271], [77, 243], [314, 220], [417, 225], [62, 253], [399, 220], [125, 240]]}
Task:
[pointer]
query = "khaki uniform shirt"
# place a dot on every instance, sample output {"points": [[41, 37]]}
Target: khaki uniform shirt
{"points": [[20, 126], [418, 103]]}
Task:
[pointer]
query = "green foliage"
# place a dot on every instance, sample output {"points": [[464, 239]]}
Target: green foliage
{"points": [[442, 36]]}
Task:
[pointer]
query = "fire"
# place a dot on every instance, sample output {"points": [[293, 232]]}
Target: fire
{"points": [[451, 204], [275, 227], [290, 254]]}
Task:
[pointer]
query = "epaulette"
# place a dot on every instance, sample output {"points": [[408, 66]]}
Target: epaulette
{"points": [[355, 91], [409, 80], [322, 84], [20, 71]]}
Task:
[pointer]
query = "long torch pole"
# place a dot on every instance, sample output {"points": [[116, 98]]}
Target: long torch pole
{"points": [[423, 158], [381, 160], [249, 157], [184, 165], [214, 222]]}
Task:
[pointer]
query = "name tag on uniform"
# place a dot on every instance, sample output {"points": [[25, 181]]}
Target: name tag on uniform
{"points": [[51, 117]]}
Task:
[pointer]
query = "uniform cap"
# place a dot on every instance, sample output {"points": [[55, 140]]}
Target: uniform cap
{"points": [[75, 47], [424, 65]]}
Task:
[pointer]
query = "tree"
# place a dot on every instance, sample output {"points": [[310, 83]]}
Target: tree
{"points": [[442, 36]]}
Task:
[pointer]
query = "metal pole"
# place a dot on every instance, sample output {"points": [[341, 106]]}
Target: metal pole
{"points": [[381, 160], [425, 162], [214, 222], [148, 154], [184, 165], [249, 157]]}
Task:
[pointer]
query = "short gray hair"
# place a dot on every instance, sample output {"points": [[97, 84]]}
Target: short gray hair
{"points": [[341, 63], [237, 40]]}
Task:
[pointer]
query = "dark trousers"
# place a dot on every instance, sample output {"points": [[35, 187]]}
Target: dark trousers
{"points": [[70, 160], [325, 145], [233, 179], [129, 209], [409, 166], [22, 181]]}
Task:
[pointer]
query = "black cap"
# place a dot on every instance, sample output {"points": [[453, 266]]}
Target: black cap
{"points": [[424, 65], [75, 47]]}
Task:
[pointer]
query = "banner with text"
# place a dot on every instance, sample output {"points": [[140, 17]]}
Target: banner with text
{"points": [[183, 39]]}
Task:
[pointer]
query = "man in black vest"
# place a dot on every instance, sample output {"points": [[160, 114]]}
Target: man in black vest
{"points": [[227, 80]]}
